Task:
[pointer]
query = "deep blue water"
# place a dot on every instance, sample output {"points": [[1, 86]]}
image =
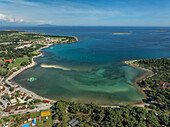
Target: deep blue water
{"points": [[97, 74]]}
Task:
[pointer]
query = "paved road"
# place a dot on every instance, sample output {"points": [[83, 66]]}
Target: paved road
{"points": [[40, 107]]}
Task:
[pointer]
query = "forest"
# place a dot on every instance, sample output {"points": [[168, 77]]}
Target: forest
{"points": [[91, 115], [157, 87]]}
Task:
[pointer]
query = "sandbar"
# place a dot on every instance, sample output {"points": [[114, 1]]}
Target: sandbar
{"points": [[55, 66]]}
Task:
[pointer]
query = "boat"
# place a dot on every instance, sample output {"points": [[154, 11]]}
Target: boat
{"points": [[31, 79]]}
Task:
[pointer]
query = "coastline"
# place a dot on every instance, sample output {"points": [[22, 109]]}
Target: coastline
{"points": [[33, 63], [130, 62], [139, 79]]}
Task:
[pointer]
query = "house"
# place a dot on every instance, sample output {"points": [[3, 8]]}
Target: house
{"points": [[45, 113], [2, 88], [164, 85], [8, 60], [26, 42], [14, 108], [13, 101], [73, 122], [22, 93], [11, 108], [46, 101], [25, 56]]}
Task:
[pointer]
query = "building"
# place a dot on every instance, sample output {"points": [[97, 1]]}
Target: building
{"points": [[46, 101], [8, 60], [25, 56], [2, 88], [13, 101], [45, 113], [11, 108], [14, 108], [164, 85], [73, 122]]}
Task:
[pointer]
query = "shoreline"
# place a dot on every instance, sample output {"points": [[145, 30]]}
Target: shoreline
{"points": [[33, 63], [139, 79]]}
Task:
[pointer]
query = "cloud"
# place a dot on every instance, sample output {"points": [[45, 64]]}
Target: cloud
{"points": [[9, 19], [21, 2]]}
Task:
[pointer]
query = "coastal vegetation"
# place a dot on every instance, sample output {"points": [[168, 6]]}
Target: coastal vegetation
{"points": [[92, 115], [157, 87], [17, 48]]}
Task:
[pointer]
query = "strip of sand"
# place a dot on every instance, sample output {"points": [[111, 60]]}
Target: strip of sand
{"points": [[55, 66], [131, 62]]}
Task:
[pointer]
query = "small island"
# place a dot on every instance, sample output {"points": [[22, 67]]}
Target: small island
{"points": [[160, 30], [122, 33]]}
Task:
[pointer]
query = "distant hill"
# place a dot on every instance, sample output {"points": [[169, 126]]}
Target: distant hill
{"points": [[46, 25]]}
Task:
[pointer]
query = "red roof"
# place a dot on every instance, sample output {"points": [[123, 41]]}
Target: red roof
{"points": [[8, 60], [25, 56], [46, 101], [164, 83], [2, 87]]}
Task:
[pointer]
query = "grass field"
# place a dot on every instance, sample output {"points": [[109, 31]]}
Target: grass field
{"points": [[18, 62], [45, 122], [34, 52], [37, 39], [60, 38], [4, 52], [34, 114]]}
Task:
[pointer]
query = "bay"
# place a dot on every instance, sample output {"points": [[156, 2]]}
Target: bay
{"points": [[96, 73]]}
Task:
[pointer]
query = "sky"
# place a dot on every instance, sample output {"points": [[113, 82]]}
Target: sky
{"points": [[85, 12]]}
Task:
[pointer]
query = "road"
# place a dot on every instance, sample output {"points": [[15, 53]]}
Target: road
{"points": [[39, 107]]}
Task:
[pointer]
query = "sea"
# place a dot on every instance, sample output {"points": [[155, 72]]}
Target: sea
{"points": [[96, 72]]}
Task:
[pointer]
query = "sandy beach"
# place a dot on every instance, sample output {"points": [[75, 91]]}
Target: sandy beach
{"points": [[28, 66], [130, 62], [33, 63], [30, 93]]}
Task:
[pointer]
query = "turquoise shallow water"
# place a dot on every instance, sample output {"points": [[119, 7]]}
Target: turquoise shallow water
{"points": [[97, 73]]}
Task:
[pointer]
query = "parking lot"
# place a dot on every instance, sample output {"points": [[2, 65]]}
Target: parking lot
{"points": [[4, 103]]}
